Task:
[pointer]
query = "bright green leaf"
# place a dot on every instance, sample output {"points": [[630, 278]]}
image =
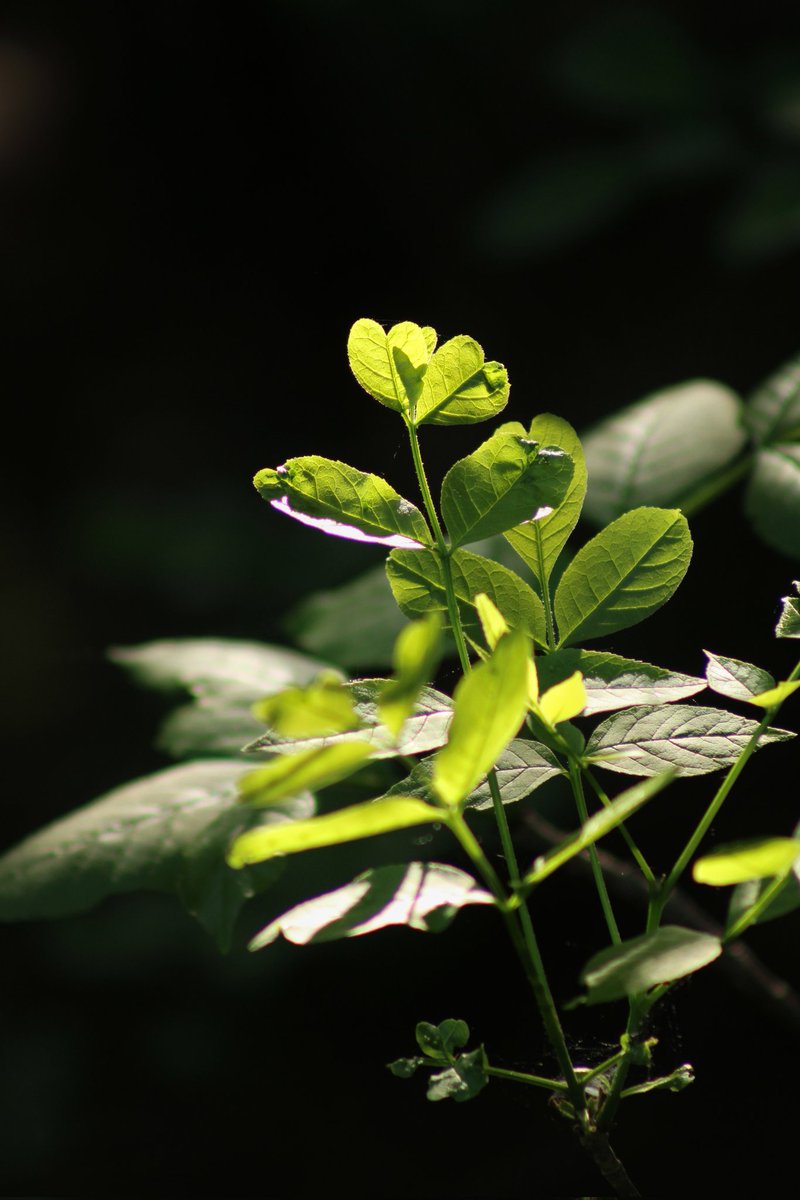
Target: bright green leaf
{"points": [[416, 655], [789, 621], [695, 741], [404, 1068], [539, 543], [598, 825], [661, 449], [508, 480], [489, 706], [623, 574], [324, 706], [424, 896], [460, 388], [777, 694], [345, 825], [418, 586], [493, 623], [339, 500], [735, 679], [772, 413], [772, 500], [739, 862], [564, 700], [308, 770], [373, 361], [613, 682], [643, 962]]}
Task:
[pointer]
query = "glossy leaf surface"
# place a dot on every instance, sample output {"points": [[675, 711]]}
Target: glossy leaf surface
{"points": [[643, 962], [623, 575], [461, 1081]]}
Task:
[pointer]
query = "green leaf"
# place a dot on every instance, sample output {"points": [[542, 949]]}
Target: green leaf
{"points": [[789, 621], [539, 544], [623, 574], [745, 895], [308, 770], [462, 1081], [759, 858], [772, 413], [772, 500], [324, 706], [661, 449], [416, 655], [323, 623], [417, 582], [442, 1041], [643, 962], [735, 679], [695, 741], [522, 767], [404, 1068], [424, 896], [339, 500], [426, 729], [598, 825], [489, 706], [166, 832], [564, 700], [508, 480], [776, 695], [345, 825], [203, 730], [613, 682], [374, 361], [460, 388]]}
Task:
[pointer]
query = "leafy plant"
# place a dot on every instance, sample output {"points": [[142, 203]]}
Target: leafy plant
{"points": [[218, 828]]}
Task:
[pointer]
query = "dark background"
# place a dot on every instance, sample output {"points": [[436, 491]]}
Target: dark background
{"points": [[196, 201]]}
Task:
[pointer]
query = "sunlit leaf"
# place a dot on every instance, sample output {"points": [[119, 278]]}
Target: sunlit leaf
{"points": [[416, 655], [344, 825], [460, 387], [645, 740], [739, 862], [613, 682], [493, 623], [308, 770], [324, 706], [373, 361], [625, 573], [643, 962], [777, 694], [564, 700]]}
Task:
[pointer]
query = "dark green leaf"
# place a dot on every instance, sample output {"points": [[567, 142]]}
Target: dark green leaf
{"points": [[772, 413], [462, 1081], [460, 387], [442, 1041], [745, 895], [772, 500], [424, 896], [645, 740], [339, 500], [404, 1068], [613, 682], [643, 962], [623, 574]]}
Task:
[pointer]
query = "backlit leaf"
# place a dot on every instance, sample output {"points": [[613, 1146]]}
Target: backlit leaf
{"points": [[308, 770], [460, 387], [416, 655], [613, 682], [625, 573], [643, 962], [564, 700], [373, 361], [739, 862], [324, 706]]}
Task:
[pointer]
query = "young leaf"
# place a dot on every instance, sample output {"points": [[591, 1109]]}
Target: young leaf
{"points": [[777, 694], [374, 359], [416, 654], [308, 770], [789, 621], [345, 825], [418, 586], [760, 858], [325, 706], [459, 387], [168, 832], [735, 679], [643, 962], [462, 1081], [695, 741], [342, 501], [425, 729], [623, 574], [493, 623], [772, 413], [772, 500], [539, 543], [489, 706], [659, 450], [508, 480], [564, 700], [442, 1041], [424, 896], [598, 825], [613, 682]]}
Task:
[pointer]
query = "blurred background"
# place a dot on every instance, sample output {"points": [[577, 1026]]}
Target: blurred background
{"points": [[196, 202]]}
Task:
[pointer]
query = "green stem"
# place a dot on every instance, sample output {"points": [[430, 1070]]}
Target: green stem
{"points": [[641, 861], [638, 1008], [751, 914], [599, 882], [552, 1085], [709, 489], [548, 609]]}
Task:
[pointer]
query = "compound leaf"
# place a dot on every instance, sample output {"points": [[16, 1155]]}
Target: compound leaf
{"points": [[460, 388]]}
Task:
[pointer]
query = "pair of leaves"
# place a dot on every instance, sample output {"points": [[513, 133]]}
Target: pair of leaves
{"points": [[452, 386], [464, 1076]]}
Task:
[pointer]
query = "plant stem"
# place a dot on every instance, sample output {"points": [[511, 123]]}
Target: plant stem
{"points": [[755, 910], [641, 861], [553, 1085], [709, 489], [599, 882], [543, 581]]}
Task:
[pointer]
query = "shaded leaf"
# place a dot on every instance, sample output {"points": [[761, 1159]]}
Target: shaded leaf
{"points": [[695, 741], [624, 574], [339, 500], [772, 412], [613, 682], [404, 1068], [424, 896], [323, 623], [308, 770], [508, 480], [418, 586], [371, 352], [643, 962], [772, 499], [758, 858], [745, 895], [442, 1041], [345, 825], [659, 450], [460, 387], [462, 1081], [789, 621]]}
